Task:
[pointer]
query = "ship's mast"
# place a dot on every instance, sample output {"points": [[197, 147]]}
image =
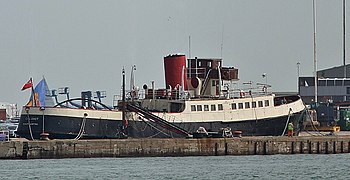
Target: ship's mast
{"points": [[124, 103], [222, 41], [189, 54], [315, 62], [344, 23]]}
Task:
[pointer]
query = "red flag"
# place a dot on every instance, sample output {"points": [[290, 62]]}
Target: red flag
{"points": [[29, 84]]}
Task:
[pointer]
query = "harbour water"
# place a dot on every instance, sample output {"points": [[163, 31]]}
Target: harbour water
{"points": [[302, 166]]}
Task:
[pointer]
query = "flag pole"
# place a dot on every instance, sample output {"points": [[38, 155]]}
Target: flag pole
{"points": [[33, 95]]}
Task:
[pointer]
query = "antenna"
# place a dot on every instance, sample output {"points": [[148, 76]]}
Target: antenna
{"points": [[222, 40], [189, 46], [189, 54]]}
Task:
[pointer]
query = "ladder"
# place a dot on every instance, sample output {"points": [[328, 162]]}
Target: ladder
{"points": [[158, 120]]}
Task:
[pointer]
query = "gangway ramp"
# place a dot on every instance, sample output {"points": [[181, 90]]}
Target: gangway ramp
{"points": [[158, 120]]}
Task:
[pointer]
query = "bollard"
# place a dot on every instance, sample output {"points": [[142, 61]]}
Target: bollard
{"points": [[44, 136], [237, 134]]}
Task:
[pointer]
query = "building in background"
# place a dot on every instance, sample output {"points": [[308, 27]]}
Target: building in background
{"points": [[331, 86], [8, 111]]}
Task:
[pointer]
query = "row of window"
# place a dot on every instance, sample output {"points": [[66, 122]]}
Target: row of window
{"points": [[219, 107], [248, 105], [322, 82], [333, 82], [206, 107], [327, 98]]}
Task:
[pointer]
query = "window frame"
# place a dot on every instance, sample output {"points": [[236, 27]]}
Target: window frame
{"points": [[254, 104], [206, 107], [240, 106], [220, 107], [267, 103], [213, 107], [234, 106], [193, 108], [246, 105], [199, 107]]}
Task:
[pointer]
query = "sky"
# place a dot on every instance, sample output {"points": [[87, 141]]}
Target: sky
{"points": [[84, 44]]}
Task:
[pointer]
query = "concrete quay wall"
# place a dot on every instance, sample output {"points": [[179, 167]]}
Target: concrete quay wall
{"points": [[173, 147]]}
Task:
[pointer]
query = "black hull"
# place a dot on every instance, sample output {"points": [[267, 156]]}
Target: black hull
{"points": [[60, 127], [262, 127]]}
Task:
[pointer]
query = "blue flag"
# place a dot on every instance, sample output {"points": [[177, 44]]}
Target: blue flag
{"points": [[39, 95]]}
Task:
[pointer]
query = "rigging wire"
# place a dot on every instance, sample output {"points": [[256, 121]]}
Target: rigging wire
{"points": [[29, 126]]}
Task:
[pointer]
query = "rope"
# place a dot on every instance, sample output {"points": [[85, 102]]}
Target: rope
{"points": [[29, 127], [300, 122], [159, 131], [142, 129], [153, 135], [82, 128], [313, 126], [43, 121], [285, 127]]}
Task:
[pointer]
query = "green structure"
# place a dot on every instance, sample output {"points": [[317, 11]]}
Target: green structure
{"points": [[344, 121]]}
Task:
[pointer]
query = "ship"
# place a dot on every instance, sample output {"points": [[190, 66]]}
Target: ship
{"points": [[199, 97], [84, 117]]}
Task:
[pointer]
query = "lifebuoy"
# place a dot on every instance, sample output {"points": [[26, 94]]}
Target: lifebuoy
{"points": [[133, 93], [145, 86], [169, 93], [195, 82], [241, 93]]}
